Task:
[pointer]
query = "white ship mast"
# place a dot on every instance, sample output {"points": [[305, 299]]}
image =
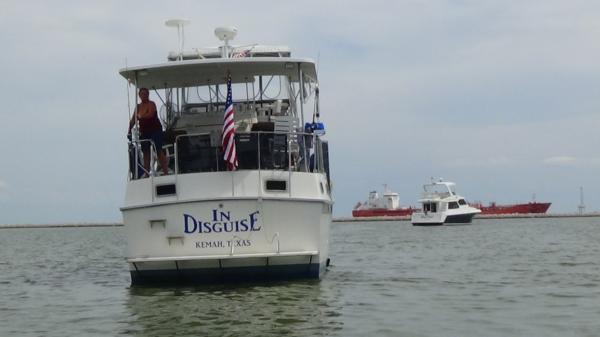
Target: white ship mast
{"points": [[581, 207]]}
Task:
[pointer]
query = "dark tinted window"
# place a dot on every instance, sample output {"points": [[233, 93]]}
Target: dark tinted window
{"points": [[462, 202], [430, 207], [452, 205], [276, 185], [165, 190]]}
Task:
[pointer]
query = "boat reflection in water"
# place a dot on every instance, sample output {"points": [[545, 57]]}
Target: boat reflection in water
{"points": [[298, 308]]}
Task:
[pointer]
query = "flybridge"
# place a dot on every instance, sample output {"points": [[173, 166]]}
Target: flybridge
{"points": [[204, 66], [224, 34]]}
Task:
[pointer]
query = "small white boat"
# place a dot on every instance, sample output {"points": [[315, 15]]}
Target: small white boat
{"points": [[215, 218], [441, 205]]}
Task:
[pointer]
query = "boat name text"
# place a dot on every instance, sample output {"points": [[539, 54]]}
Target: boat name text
{"points": [[221, 222]]}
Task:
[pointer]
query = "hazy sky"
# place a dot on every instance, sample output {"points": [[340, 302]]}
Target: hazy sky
{"points": [[502, 97]]}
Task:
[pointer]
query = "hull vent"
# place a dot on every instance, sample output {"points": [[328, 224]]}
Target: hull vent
{"points": [[276, 185], [163, 190]]}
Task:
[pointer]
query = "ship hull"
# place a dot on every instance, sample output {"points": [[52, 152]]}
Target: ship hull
{"points": [[376, 212], [528, 208]]}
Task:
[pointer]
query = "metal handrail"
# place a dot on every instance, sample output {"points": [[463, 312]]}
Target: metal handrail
{"points": [[303, 153], [295, 143], [137, 144]]}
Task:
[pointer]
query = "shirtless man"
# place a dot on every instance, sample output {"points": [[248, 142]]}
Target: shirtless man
{"points": [[150, 129]]}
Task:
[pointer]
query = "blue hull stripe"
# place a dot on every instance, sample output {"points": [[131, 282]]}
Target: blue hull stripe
{"points": [[225, 275], [460, 218]]}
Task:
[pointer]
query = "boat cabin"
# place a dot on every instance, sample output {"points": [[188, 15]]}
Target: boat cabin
{"points": [[441, 196], [276, 104], [441, 204]]}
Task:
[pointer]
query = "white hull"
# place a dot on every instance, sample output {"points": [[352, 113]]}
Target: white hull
{"points": [[441, 218], [246, 192], [245, 231], [441, 205]]}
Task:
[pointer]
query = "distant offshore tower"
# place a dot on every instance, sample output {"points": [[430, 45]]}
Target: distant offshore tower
{"points": [[581, 206]]}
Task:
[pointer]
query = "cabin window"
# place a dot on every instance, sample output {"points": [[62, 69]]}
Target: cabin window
{"points": [[276, 185], [246, 146], [198, 153], [163, 190], [462, 202], [268, 130], [453, 205], [430, 207]]}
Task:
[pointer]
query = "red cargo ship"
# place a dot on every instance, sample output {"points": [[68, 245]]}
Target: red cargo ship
{"points": [[525, 208], [388, 205]]}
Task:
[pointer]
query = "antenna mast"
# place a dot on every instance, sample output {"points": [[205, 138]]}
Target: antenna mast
{"points": [[225, 34], [179, 24], [581, 206]]}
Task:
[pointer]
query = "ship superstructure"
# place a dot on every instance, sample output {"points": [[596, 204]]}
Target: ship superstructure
{"points": [[387, 204]]}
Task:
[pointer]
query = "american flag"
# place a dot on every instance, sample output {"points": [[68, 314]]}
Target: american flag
{"points": [[229, 130], [240, 54]]}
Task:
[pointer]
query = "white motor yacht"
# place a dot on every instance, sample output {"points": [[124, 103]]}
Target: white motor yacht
{"points": [[441, 205], [212, 219]]}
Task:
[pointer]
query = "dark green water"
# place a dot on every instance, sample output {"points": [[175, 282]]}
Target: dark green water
{"points": [[531, 277]]}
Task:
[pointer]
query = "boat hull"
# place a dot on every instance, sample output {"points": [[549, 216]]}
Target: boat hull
{"points": [[227, 241], [427, 223], [424, 220], [459, 218], [227, 274]]}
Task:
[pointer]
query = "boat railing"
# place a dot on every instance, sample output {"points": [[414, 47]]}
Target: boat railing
{"points": [[137, 169], [256, 150], [435, 195]]}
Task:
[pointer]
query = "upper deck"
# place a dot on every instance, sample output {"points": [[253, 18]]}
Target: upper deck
{"points": [[199, 72], [275, 100], [438, 190]]}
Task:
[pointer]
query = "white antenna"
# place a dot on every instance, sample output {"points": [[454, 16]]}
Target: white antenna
{"points": [[581, 206], [178, 23], [225, 34]]}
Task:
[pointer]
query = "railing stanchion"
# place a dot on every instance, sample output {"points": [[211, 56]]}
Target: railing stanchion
{"points": [[258, 150], [137, 160], [289, 151], [176, 156]]}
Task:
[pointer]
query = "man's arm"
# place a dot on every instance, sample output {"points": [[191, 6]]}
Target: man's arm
{"points": [[131, 123], [133, 119]]}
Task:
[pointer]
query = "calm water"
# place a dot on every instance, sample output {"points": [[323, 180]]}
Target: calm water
{"points": [[534, 277]]}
